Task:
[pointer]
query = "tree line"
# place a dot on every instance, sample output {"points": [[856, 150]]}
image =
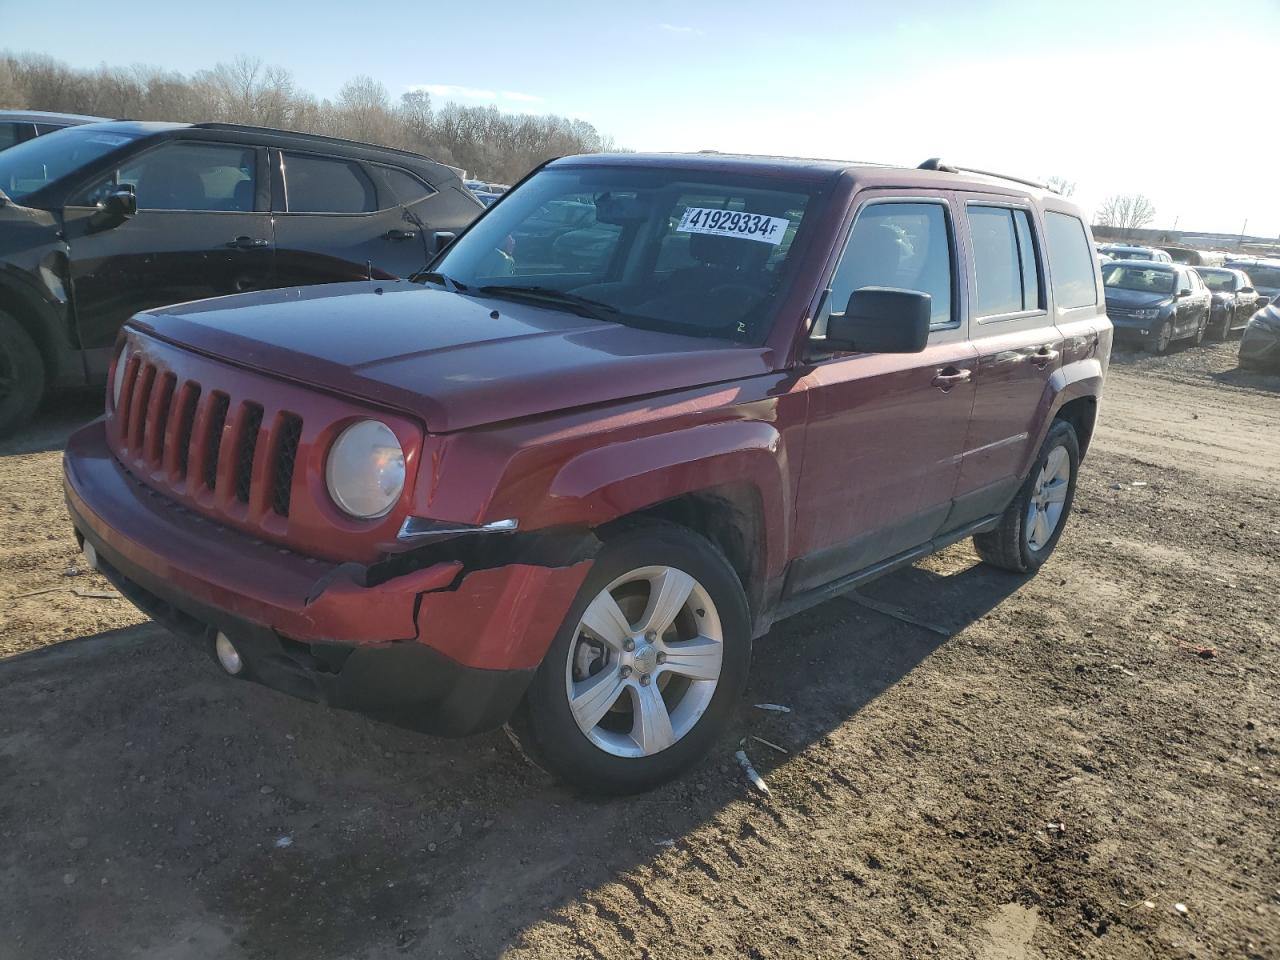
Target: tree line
{"points": [[486, 142]]}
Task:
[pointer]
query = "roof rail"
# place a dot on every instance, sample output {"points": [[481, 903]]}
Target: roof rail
{"points": [[323, 138], [935, 163]]}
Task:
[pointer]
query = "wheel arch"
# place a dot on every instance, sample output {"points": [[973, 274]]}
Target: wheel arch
{"points": [[40, 322]]}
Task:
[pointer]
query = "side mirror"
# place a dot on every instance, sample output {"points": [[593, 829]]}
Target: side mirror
{"points": [[1246, 290], [444, 238], [1263, 302], [882, 320], [117, 207], [1184, 292]]}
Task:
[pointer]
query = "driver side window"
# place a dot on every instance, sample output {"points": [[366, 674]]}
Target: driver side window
{"points": [[903, 245], [188, 176]]}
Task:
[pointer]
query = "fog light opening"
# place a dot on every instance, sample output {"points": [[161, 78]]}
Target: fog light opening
{"points": [[228, 655]]}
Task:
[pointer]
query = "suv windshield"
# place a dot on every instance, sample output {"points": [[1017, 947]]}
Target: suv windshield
{"points": [[1142, 279], [33, 165], [1218, 279], [1261, 274], [701, 253]]}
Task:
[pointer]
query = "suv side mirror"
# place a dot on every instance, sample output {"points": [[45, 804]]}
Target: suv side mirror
{"points": [[1246, 290], [882, 320], [117, 207], [1184, 292], [444, 238], [1263, 302]]}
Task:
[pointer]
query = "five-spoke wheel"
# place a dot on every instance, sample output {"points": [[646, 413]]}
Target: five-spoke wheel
{"points": [[648, 664]]}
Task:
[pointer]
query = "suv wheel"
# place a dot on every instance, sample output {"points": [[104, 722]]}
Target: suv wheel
{"points": [[648, 665], [1031, 525], [21, 375]]}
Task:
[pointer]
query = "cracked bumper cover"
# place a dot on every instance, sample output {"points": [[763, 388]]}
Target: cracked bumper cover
{"points": [[441, 648]]}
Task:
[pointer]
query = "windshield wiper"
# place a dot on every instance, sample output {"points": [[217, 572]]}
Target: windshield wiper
{"points": [[432, 276], [585, 306]]}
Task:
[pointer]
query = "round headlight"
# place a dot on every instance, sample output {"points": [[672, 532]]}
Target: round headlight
{"points": [[365, 470], [117, 381]]}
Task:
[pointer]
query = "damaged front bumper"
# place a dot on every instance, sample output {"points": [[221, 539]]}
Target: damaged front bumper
{"points": [[444, 641]]}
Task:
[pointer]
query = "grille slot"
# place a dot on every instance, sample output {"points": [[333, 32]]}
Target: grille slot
{"points": [[162, 400], [288, 433], [190, 400], [246, 444], [138, 408], [217, 421]]}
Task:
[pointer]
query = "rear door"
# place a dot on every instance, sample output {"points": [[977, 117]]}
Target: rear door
{"points": [[332, 223], [885, 432], [202, 230], [1018, 345]]}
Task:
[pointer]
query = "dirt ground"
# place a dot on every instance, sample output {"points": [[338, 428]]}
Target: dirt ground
{"points": [[1089, 749]]}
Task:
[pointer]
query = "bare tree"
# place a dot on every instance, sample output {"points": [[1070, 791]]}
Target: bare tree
{"points": [[490, 144], [1125, 212], [1060, 185]]}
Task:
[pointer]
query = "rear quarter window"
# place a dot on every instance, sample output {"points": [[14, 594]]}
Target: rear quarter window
{"points": [[1070, 262]]}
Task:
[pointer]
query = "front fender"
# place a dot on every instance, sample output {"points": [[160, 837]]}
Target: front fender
{"points": [[609, 482]]}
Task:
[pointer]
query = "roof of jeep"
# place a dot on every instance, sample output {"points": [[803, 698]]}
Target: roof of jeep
{"points": [[806, 168]]}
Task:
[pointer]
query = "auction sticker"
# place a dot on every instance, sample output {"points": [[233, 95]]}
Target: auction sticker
{"points": [[734, 223]]}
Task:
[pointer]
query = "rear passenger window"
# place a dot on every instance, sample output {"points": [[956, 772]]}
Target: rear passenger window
{"points": [[1070, 261], [1004, 261], [405, 188], [902, 245], [324, 185], [8, 135]]}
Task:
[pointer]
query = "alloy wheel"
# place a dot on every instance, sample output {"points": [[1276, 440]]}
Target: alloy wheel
{"points": [[1048, 497], [645, 661]]}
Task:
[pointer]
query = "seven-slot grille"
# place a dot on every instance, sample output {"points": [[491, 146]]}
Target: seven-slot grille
{"points": [[204, 442]]}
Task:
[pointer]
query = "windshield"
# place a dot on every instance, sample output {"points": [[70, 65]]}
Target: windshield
{"points": [[1261, 276], [704, 254], [1218, 279], [33, 165], [1142, 279]]}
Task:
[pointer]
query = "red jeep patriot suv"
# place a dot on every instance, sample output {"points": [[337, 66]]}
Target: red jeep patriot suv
{"points": [[641, 409]]}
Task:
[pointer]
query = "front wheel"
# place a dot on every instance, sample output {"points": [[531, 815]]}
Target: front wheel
{"points": [[648, 665], [1031, 525], [21, 375], [1163, 338]]}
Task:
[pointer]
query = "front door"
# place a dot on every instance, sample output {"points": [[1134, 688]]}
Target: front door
{"points": [[333, 223], [885, 431], [202, 230], [1019, 348]]}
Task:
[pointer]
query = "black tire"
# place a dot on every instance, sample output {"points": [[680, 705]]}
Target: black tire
{"points": [[21, 375], [1008, 546], [546, 726], [1225, 333], [1164, 338]]}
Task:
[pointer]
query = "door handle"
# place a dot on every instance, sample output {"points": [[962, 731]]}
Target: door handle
{"points": [[1044, 356], [400, 234], [948, 377], [247, 243]]}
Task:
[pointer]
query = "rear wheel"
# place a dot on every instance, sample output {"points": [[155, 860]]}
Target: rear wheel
{"points": [[1031, 525], [648, 665], [21, 375]]}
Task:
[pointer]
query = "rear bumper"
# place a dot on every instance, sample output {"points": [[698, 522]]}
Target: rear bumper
{"points": [[440, 648]]}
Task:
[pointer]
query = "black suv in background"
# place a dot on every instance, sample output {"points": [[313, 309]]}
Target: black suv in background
{"points": [[100, 221], [19, 126]]}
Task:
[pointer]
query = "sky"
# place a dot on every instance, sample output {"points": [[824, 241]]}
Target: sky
{"points": [[1176, 100]]}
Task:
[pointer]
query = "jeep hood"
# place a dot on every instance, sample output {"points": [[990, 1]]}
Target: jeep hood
{"points": [[445, 357]]}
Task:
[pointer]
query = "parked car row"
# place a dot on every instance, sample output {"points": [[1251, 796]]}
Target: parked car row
{"points": [[101, 220], [486, 193], [1155, 300]]}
